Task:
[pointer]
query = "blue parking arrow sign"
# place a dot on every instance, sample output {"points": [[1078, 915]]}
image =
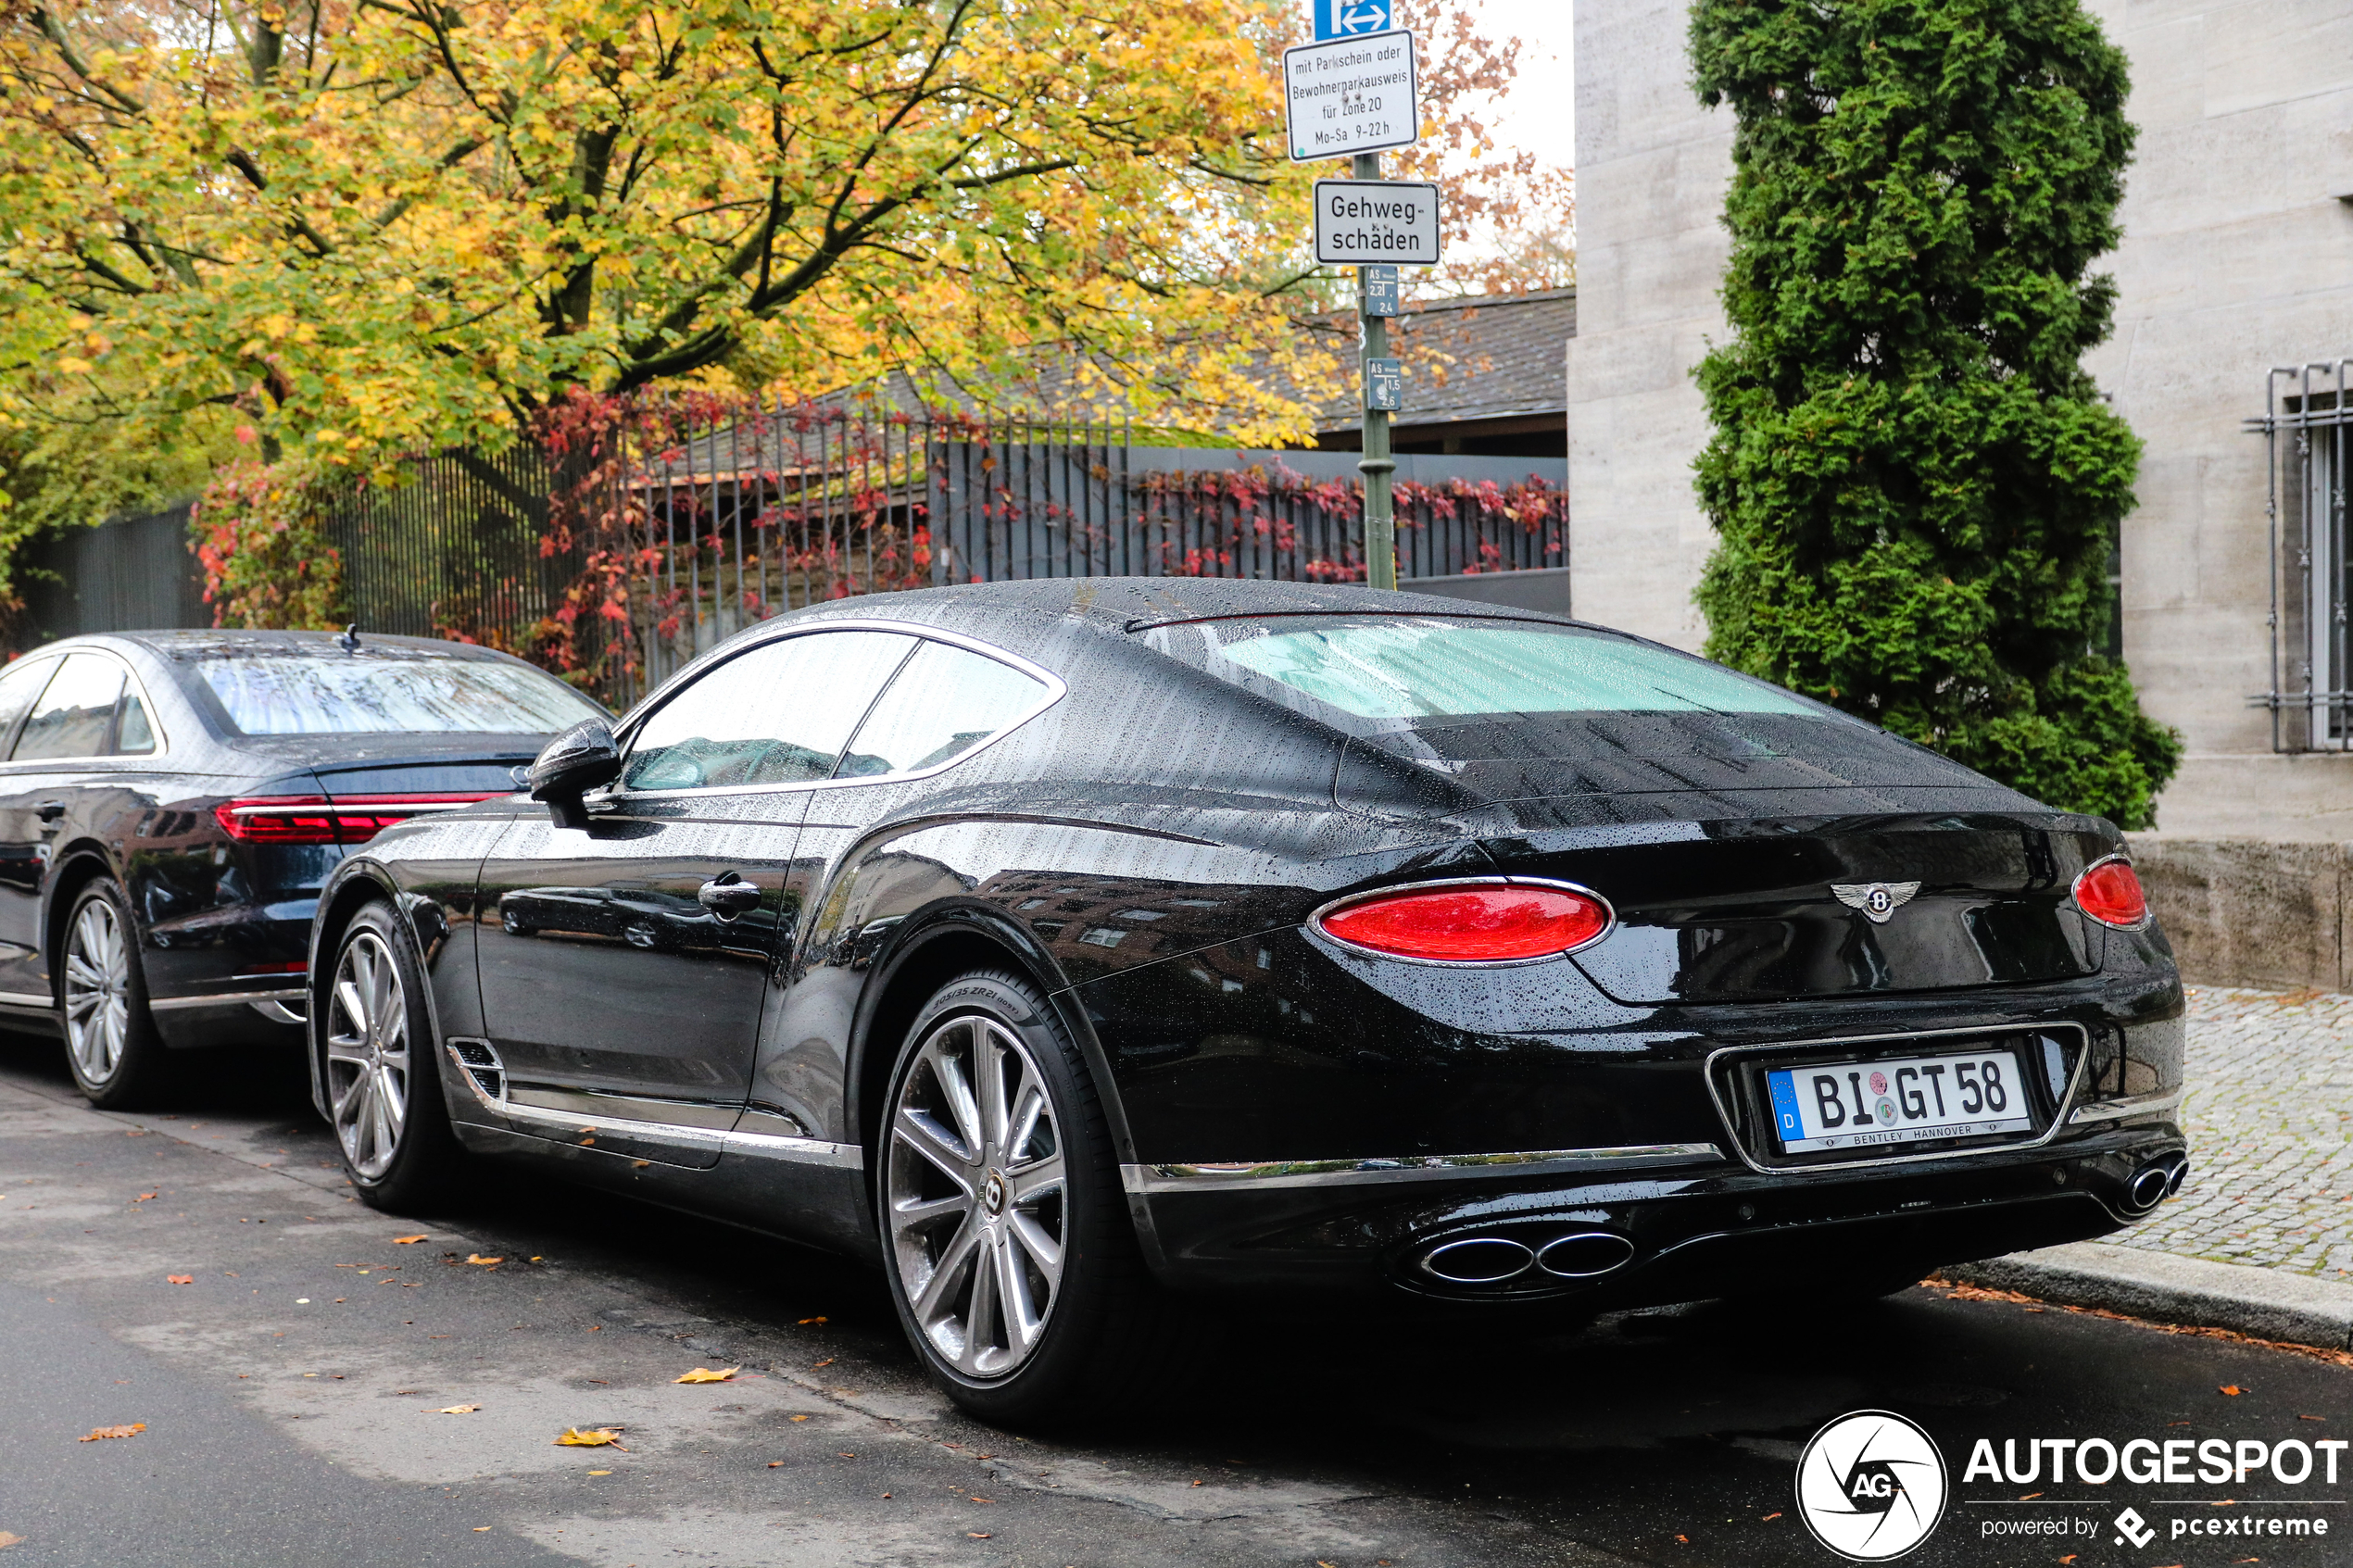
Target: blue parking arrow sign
{"points": [[1346, 18]]}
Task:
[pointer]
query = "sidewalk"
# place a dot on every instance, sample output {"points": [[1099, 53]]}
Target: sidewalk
{"points": [[2260, 1239]]}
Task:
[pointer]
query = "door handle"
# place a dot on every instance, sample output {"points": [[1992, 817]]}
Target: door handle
{"points": [[728, 895], [50, 810]]}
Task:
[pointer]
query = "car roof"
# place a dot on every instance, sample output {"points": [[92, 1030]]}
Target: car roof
{"points": [[1121, 605], [224, 643]]}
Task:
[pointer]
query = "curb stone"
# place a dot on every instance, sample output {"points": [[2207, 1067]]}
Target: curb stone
{"points": [[2262, 1303]]}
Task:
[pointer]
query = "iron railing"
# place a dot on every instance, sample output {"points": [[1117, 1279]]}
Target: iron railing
{"points": [[2305, 430]]}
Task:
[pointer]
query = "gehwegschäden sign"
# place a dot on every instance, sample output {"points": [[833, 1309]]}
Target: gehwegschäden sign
{"points": [[1359, 221], [1350, 95]]}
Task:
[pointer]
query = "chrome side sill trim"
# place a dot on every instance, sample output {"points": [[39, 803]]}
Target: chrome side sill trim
{"points": [[2117, 1110], [225, 1000], [279, 1012], [757, 1146], [32, 1000], [1262, 1175]]}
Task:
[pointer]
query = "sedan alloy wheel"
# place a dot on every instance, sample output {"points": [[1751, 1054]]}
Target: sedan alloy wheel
{"points": [[97, 992], [368, 1055], [977, 1189]]}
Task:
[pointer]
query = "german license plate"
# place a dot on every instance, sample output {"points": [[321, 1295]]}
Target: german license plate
{"points": [[1863, 1105]]}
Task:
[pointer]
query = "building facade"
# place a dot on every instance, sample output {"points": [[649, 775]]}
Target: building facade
{"points": [[2235, 275]]}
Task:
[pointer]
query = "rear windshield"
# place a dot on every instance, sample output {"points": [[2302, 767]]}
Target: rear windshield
{"points": [[1433, 667], [365, 694]]}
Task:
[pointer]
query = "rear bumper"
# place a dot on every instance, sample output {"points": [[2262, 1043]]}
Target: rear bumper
{"points": [[1686, 1234]]}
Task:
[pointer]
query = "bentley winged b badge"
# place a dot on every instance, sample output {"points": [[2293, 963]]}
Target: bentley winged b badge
{"points": [[1877, 899]]}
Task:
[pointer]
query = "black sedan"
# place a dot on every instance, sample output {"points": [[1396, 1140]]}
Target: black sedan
{"points": [[1070, 947], [170, 802]]}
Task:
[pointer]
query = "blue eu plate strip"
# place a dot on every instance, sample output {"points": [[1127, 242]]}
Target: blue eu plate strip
{"points": [[1784, 1092]]}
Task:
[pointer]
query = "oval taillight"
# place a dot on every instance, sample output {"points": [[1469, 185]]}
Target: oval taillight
{"points": [[1478, 922], [2110, 893]]}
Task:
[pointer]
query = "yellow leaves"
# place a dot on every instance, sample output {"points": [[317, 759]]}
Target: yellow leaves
{"points": [[704, 1375], [69, 365], [594, 1438], [103, 1433], [408, 1241], [456, 1410], [478, 1257]]}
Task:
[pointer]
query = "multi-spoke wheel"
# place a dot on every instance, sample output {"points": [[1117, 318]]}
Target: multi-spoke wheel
{"points": [[383, 1087], [1010, 1255], [976, 1194], [368, 1055], [111, 1038]]}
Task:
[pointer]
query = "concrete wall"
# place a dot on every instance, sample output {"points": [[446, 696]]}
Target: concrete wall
{"points": [[2251, 912], [2237, 256], [1652, 167]]}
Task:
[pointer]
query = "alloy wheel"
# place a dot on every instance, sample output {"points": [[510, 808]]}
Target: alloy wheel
{"points": [[97, 992], [368, 1055], [977, 1196]]}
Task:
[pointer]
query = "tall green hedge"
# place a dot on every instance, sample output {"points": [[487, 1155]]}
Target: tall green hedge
{"points": [[1915, 482]]}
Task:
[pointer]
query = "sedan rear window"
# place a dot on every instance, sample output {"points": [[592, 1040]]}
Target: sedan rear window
{"points": [[1434, 667], [363, 694]]}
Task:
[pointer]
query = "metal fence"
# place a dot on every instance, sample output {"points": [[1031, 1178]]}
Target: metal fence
{"points": [[2306, 439], [625, 544]]}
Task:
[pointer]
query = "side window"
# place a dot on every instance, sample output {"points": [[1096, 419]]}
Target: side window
{"points": [[134, 733], [778, 714], [75, 710], [943, 703], [19, 686]]}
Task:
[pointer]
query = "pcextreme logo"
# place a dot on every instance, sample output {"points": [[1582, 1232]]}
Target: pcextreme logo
{"points": [[1870, 1486]]}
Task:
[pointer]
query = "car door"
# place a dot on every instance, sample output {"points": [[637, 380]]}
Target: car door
{"points": [[611, 985], [23, 845], [947, 701]]}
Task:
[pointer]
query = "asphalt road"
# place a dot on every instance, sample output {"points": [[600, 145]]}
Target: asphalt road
{"points": [[291, 1396]]}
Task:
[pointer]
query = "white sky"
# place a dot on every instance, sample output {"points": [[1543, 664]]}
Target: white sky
{"points": [[1540, 113]]}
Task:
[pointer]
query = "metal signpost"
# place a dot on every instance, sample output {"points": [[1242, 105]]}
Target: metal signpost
{"points": [[1350, 94]]}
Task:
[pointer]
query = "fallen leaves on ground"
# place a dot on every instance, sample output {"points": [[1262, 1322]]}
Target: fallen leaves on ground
{"points": [[2232, 1388], [595, 1437], [600, 1472], [704, 1375], [408, 1241], [7, 1540], [776, 1465], [806, 1322], [143, 1198], [1768, 1518], [457, 1409], [800, 1418], [478, 1257], [179, 1279], [102, 1433]]}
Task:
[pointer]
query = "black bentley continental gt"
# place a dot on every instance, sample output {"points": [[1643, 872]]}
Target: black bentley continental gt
{"points": [[170, 801], [1071, 948]]}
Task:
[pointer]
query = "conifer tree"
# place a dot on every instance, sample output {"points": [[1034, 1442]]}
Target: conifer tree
{"points": [[1915, 482]]}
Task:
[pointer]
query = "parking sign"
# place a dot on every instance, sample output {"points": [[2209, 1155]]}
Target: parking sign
{"points": [[1346, 18]]}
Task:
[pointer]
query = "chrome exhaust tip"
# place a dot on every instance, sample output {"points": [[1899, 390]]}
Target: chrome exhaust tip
{"points": [[1585, 1255], [2180, 1174], [1478, 1259], [2148, 1187]]}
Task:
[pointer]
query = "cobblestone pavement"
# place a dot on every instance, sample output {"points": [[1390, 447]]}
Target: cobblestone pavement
{"points": [[2270, 1119]]}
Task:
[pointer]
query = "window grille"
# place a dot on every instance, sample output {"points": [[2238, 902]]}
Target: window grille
{"points": [[2305, 433]]}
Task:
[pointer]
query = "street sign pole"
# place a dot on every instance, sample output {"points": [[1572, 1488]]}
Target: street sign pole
{"points": [[1375, 464]]}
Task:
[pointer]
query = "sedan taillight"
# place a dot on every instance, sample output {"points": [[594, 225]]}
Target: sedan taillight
{"points": [[314, 819], [2110, 891], [1471, 923]]}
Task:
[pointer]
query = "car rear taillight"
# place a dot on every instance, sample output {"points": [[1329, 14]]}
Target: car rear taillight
{"points": [[1471, 923], [2110, 893], [314, 819]]}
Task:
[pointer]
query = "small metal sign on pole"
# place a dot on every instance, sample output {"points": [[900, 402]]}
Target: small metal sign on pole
{"points": [[1350, 94], [1361, 222], [1346, 18]]}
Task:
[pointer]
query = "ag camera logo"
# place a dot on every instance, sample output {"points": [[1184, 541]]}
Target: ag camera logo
{"points": [[1871, 1486]]}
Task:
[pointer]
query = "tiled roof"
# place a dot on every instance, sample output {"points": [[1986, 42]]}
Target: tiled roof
{"points": [[1487, 358]]}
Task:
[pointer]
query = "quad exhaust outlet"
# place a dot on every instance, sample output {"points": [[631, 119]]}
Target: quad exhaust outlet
{"points": [[2155, 1181]]}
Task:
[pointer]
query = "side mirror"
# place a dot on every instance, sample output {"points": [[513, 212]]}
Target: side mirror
{"points": [[573, 764]]}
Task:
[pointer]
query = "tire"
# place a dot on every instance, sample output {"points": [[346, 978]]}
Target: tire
{"points": [[118, 1057], [996, 1182], [378, 1060]]}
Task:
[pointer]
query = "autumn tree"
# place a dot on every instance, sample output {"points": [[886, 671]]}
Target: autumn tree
{"points": [[374, 226]]}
